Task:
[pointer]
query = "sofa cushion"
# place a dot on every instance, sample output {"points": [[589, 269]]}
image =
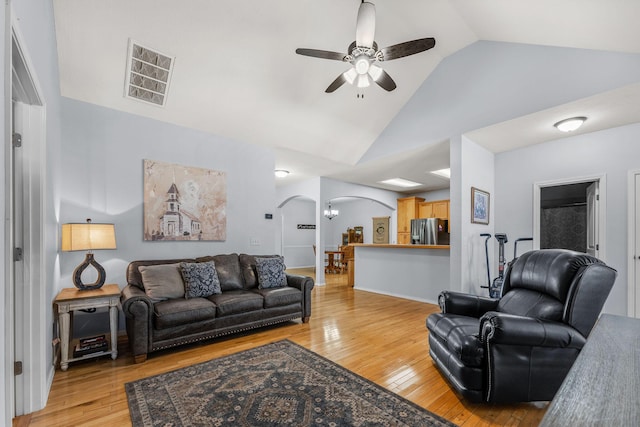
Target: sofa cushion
{"points": [[277, 297], [233, 302], [162, 281], [200, 279], [248, 267], [228, 269], [134, 277], [270, 272], [176, 312]]}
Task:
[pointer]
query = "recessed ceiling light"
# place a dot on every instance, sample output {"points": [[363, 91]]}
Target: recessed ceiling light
{"points": [[569, 125], [281, 173], [445, 173], [400, 182]]}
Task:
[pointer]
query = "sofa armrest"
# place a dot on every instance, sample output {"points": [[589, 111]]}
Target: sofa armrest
{"points": [[465, 304], [131, 294], [502, 328], [299, 282], [305, 285], [138, 311]]}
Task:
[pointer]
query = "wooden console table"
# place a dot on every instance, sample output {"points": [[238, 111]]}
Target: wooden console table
{"points": [[71, 299], [603, 386]]}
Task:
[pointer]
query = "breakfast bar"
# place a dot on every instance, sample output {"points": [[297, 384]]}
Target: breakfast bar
{"points": [[417, 272]]}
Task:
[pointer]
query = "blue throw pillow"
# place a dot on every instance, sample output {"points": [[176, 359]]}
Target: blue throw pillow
{"points": [[200, 279], [271, 272]]}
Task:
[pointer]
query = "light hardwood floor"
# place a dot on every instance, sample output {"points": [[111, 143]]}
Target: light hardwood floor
{"points": [[379, 337]]}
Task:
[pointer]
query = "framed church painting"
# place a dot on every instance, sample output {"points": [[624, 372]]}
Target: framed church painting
{"points": [[184, 202]]}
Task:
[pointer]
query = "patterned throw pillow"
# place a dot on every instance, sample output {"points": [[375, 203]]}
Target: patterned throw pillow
{"points": [[200, 279], [271, 272]]}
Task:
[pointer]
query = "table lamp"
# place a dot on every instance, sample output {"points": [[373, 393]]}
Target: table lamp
{"points": [[88, 237]]}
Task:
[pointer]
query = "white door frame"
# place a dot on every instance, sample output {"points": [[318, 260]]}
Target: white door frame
{"points": [[26, 304], [633, 307], [602, 186]]}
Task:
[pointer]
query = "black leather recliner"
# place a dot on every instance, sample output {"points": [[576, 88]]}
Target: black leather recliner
{"points": [[520, 348]]}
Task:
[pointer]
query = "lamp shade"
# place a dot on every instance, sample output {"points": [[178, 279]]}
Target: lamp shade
{"points": [[88, 236]]}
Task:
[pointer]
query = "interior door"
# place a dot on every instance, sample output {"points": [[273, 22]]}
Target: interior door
{"points": [[28, 305], [18, 267], [593, 200]]}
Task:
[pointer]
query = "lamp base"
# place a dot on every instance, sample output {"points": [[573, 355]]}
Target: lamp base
{"points": [[77, 274]]}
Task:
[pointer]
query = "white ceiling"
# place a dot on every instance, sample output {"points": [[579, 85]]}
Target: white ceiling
{"points": [[236, 73]]}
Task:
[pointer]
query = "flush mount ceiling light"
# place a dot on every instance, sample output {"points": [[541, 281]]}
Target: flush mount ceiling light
{"points": [[400, 182], [281, 173], [569, 125], [445, 173]]}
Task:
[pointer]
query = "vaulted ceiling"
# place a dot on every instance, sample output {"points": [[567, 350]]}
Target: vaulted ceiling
{"points": [[236, 74]]}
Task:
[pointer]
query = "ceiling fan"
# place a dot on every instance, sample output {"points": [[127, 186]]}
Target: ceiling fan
{"points": [[363, 54]]}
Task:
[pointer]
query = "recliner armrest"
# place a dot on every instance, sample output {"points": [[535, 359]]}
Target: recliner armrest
{"points": [[465, 304], [502, 328]]}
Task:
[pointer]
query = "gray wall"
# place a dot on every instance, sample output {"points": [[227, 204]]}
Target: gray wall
{"points": [[102, 179], [612, 152], [489, 82], [297, 244]]}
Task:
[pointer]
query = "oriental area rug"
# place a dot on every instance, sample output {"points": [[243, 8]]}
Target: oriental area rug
{"points": [[278, 384]]}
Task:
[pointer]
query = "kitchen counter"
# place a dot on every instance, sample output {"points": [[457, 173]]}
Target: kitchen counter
{"points": [[417, 272], [386, 246]]}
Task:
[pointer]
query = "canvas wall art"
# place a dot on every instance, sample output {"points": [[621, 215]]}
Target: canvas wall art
{"points": [[184, 203]]}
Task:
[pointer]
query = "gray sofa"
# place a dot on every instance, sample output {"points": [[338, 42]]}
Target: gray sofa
{"points": [[155, 324]]}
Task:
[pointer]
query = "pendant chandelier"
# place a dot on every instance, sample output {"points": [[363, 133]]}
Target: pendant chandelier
{"points": [[330, 213]]}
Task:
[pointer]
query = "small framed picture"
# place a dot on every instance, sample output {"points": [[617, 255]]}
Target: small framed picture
{"points": [[479, 206]]}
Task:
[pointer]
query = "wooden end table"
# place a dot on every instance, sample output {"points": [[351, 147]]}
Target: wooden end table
{"points": [[71, 299]]}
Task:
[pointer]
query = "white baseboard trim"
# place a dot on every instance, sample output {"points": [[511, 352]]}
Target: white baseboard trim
{"points": [[391, 294]]}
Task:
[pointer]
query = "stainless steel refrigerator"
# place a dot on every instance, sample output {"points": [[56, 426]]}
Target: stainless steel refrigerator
{"points": [[429, 231]]}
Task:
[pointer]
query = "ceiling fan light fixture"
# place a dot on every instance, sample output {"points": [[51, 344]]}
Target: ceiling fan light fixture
{"points": [[375, 72], [571, 124], [363, 53], [363, 80], [350, 75], [362, 65]]}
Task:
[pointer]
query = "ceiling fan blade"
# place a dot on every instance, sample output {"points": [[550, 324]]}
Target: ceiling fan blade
{"points": [[336, 83], [324, 54], [407, 48], [382, 78], [366, 24]]}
